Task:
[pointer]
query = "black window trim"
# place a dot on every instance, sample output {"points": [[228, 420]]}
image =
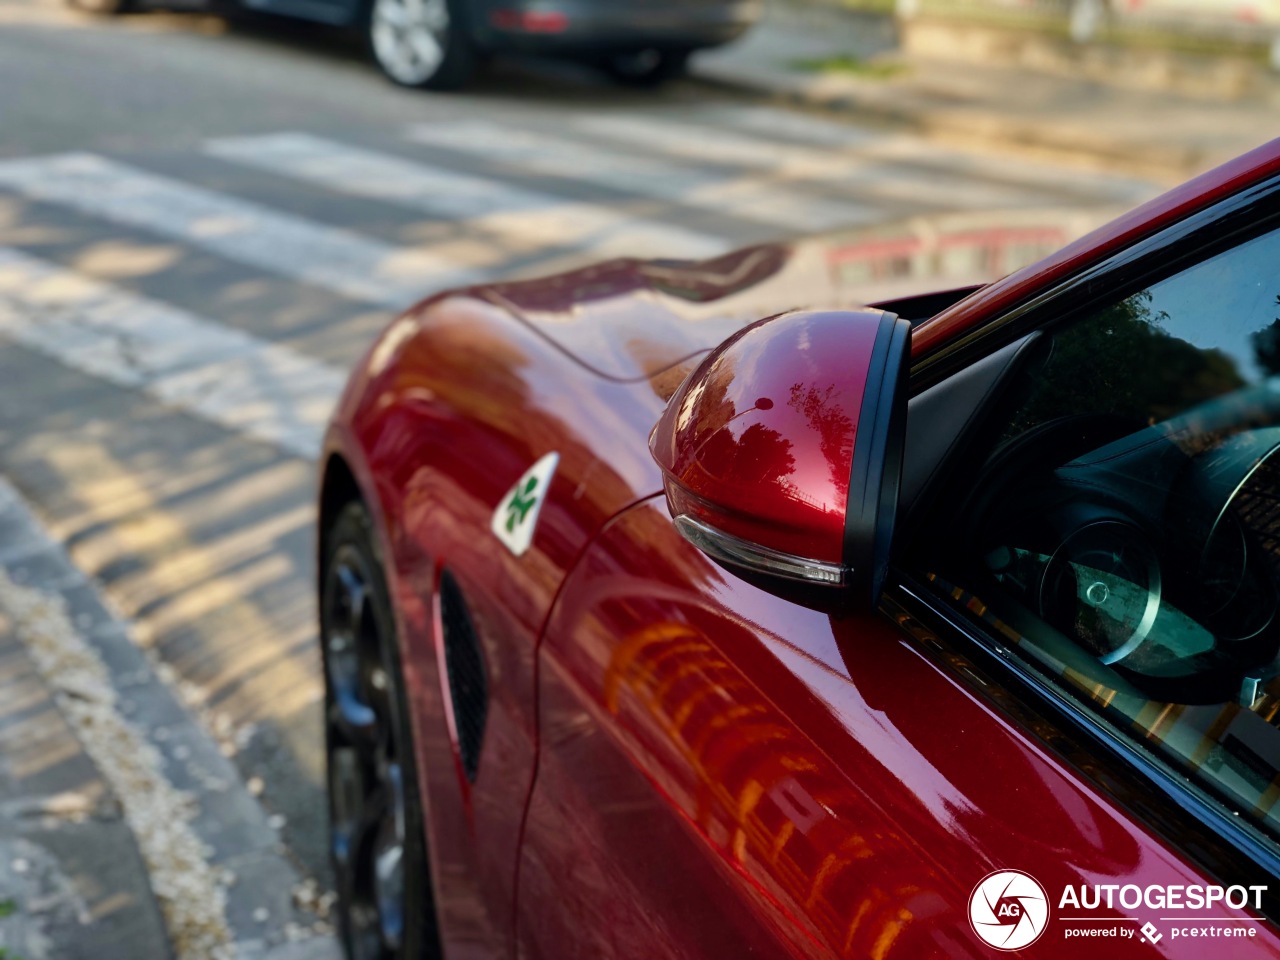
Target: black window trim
{"points": [[1195, 238], [1195, 824]]}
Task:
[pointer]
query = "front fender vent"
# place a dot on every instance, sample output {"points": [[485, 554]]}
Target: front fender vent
{"points": [[464, 663]]}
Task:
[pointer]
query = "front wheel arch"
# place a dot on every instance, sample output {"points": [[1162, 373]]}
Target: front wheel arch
{"points": [[358, 722], [338, 487]]}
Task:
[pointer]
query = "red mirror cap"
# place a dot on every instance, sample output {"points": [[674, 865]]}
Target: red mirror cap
{"points": [[759, 442]]}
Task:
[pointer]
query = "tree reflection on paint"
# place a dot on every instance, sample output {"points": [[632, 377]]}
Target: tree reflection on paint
{"points": [[755, 455], [833, 425]]}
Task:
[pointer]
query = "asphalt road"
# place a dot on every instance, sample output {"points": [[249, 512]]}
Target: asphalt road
{"points": [[202, 226]]}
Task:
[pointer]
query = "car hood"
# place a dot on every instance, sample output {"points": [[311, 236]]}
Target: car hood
{"points": [[629, 320]]}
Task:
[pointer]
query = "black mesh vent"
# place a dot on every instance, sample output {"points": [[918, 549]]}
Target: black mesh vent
{"points": [[468, 687]]}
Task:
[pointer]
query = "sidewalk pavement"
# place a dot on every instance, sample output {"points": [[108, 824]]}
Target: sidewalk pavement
{"points": [[126, 833], [1158, 135], [72, 882]]}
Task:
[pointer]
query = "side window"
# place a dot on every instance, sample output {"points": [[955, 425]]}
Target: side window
{"points": [[1123, 536]]}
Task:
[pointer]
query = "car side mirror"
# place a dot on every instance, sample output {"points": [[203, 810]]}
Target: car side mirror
{"points": [[781, 454]]}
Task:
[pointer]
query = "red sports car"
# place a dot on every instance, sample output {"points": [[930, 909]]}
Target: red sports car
{"points": [[654, 629]]}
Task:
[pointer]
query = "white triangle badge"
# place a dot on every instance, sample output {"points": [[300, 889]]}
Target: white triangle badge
{"points": [[517, 515]]}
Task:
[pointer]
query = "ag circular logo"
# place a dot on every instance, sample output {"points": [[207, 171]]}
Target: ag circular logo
{"points": [[1008, 910]]}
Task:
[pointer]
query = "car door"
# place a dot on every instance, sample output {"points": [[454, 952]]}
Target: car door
{"points": [[725, 773], [1114, 536]]}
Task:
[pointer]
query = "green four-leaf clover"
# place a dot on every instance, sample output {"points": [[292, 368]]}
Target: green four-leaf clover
{"points": [[521, 502]]}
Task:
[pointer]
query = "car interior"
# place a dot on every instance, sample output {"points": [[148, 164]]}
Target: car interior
{"points": [[1118, 524]]}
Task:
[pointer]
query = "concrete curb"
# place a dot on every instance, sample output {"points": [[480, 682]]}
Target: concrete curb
{"points": [[992, 105], [239, 836], [73, 885], [965, 126]]}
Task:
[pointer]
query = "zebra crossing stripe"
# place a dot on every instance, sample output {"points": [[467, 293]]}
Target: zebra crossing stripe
{"points": [[497, 209], [238, 230], [761, 197], [831, 157], [702, 142], [365, 173], [556, 156], [776, 123], [263, 390]]}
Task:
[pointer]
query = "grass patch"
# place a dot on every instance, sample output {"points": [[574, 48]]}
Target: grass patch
{"points": [[1122, 35], [869, 6], [8, 907], [849, 65], [1189, 43], [861, 6]]}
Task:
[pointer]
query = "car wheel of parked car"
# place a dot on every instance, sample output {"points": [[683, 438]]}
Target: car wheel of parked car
{"points": [[103, 8], [647, 68], [385, 907], [421, 43]]}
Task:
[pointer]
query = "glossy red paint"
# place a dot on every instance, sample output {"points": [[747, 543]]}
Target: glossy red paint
{"points": [[678, 764], [435, 478], [726, 775], [759, 442], [570, 366], [1168, 208]]}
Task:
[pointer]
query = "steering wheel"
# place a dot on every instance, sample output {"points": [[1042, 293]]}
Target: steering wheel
{"points": [[1148, 556]]}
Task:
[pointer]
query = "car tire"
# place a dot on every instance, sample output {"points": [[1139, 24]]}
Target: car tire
{"points": [[648, 67], [422, 43], [104, 8], [377, 840]]}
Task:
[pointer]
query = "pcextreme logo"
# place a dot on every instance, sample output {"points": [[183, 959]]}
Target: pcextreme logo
{"points": [[1009, 910]]}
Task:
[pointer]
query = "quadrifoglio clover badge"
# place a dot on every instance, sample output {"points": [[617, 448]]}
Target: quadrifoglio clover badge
{"points": [[1008, 909], [516, 518]]}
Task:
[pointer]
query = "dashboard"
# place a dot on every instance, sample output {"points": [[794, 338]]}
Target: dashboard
{"points": [[1155, 549]]}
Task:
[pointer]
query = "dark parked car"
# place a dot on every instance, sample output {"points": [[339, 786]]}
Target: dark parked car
{"points": [[654, 629], [438, 43]]}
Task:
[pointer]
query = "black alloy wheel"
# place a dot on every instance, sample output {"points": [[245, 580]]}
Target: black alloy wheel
{"points": [[376, 832]]}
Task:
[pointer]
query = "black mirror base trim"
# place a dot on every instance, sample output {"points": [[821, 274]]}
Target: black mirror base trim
{"points": [[876, 471]]}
